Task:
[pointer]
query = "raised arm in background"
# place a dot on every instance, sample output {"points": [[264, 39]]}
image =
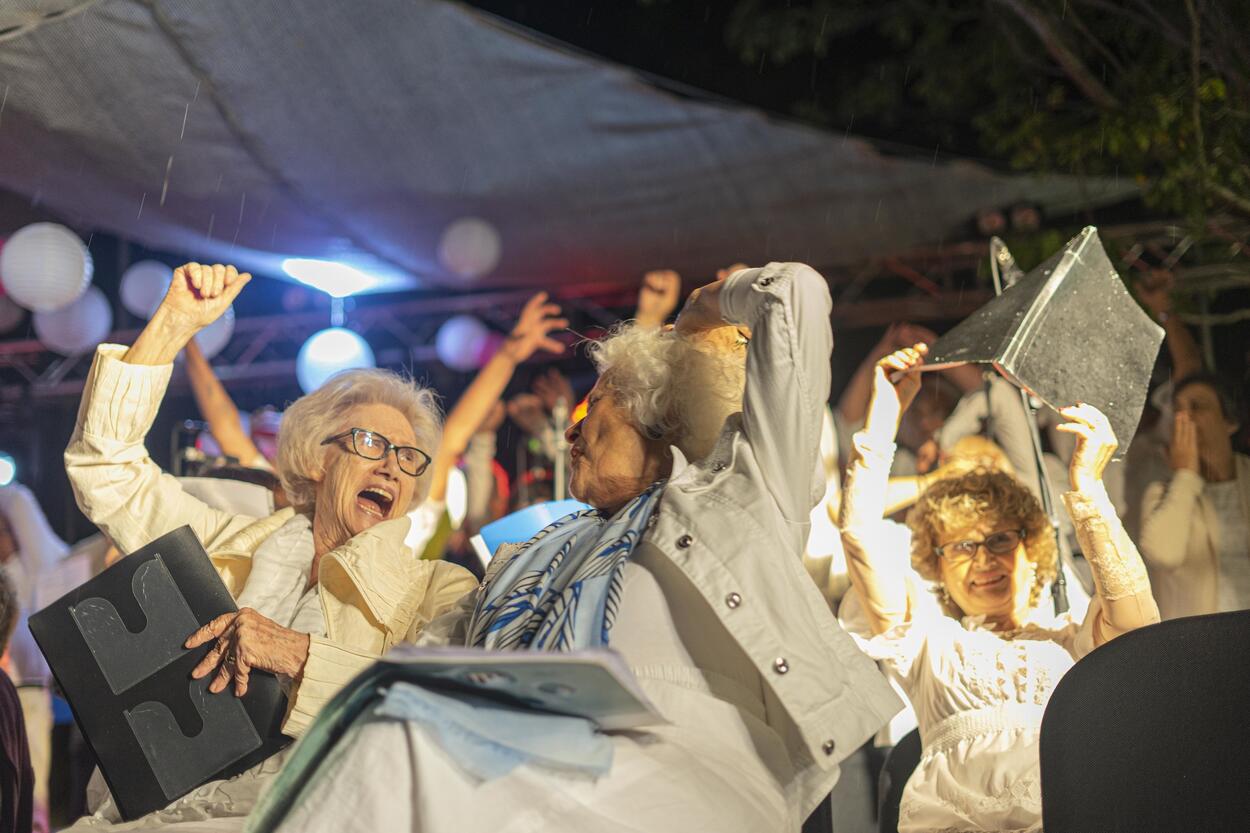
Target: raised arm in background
{"points": [[1155, 293], [864, 496], [531, 333], [218, 409], [657, 297]]}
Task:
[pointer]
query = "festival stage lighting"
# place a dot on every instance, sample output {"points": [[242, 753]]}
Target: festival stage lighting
{"points": [[8, 469], [328, 352], [336, 279]]}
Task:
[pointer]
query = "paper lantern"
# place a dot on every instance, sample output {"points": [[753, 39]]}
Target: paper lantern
{"points": [[45, 266], [328, 352], [10, 314], [78, 327], [461, 341], [144, 285], [470, 248]]}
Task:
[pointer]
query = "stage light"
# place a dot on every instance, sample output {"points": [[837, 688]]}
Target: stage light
{"points": [[331, 276], [8, 469], [329, 352]]}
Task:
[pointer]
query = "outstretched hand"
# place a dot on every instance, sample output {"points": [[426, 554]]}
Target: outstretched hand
{"points": [[1095, 443], [894, 388], [533, 329], [199, 294]]}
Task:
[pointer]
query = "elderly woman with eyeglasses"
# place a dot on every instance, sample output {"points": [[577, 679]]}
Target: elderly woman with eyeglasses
{"points": [[323, 587], [979, 676], [698, 452]]}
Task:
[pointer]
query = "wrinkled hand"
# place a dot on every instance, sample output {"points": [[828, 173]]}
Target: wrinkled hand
{"points": [[526, 410], [247, 640], [1183, 451], [1095, 443], [533, 329], [200, 294], [553, 386], [1155, 292], [894, 389], [657, 297]]}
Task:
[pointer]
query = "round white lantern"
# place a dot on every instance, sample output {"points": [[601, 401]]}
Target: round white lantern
{"points": [[328, 352], [45, 266], [10, 314], [460, 341], [78, 327], [470, 248], [143, 286]]}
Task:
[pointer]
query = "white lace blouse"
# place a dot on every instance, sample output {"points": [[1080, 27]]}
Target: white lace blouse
{"points": [[978, 700], [978, 696]]}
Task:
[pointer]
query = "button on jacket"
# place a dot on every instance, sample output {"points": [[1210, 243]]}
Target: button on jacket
{"points": [[735, 523]]}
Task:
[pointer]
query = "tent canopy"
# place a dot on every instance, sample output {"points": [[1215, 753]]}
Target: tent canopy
{"points": [[255, 130]]}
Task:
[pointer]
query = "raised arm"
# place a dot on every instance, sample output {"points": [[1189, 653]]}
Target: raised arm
{"points": [[218, 409], [1155, 293], [1169, 508], [1120, 581], [116, 483], [786, 308], [864, 498], [657, 298], [531, 333]]}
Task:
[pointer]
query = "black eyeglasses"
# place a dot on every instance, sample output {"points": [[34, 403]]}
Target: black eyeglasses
{"points": [[999, 543], [373, 446]]}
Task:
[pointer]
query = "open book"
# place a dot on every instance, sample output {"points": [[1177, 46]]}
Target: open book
{"points": [[594, 684]]}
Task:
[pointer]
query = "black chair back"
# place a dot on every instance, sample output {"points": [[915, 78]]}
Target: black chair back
{"points": [[1151, 732], [899, 765]]}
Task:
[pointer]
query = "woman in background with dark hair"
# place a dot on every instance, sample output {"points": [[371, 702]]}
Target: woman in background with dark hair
{"points": [[1195, 532]]}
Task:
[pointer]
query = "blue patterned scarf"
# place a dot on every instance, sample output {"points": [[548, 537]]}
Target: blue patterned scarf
{"points": [[560, 591]]}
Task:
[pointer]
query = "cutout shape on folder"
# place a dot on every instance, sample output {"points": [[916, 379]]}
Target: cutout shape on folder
{"points": [[115, 647], [1067, 332]]}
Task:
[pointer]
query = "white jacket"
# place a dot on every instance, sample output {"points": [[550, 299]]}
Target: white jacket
{"points": [[735, 524]]}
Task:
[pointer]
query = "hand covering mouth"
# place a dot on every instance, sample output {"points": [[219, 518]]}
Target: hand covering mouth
{"points": [[375, 501]]}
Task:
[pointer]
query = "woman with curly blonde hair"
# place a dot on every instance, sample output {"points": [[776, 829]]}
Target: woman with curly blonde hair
{"points": [[957, 503], [979, 677]]}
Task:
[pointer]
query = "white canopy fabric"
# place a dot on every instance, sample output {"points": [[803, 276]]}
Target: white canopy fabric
{"points": [[253, 130]]}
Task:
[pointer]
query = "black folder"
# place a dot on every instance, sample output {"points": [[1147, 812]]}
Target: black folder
{"points": [[1067, 332], [115, 647]]}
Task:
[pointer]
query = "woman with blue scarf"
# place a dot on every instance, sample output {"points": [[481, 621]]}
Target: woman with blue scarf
{"points": [[699, 454]]}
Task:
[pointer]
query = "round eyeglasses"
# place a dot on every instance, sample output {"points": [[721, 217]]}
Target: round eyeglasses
{"points": [[373, 446], [998, 543]]}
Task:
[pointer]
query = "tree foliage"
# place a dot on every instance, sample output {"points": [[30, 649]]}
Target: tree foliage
{"points": [[1159, 91]]}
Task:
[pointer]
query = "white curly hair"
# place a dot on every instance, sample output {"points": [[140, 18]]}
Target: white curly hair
{"points": [[674, 388], [323, 413]]}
